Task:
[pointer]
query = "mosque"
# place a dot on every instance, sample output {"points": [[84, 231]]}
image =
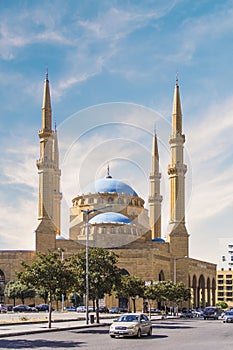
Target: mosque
{"points": [[117, 218]]}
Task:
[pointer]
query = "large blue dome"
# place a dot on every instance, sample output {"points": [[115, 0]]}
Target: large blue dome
{"points": [[110, 217], [111, 185]]}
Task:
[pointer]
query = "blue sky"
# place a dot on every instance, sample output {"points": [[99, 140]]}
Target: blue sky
{"points": [[122, 56]]}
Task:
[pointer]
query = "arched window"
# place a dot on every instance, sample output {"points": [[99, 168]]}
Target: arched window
{"points": [[161, 276], [2, 277]]}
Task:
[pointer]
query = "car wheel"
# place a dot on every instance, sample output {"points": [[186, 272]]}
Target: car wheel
{"points": [[150, 332], [139, 334], [112, 336]]}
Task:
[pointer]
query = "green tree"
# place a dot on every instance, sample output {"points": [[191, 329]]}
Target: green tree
{"points": [[222, 305], [103, 273], [11, 290], [17, 290], [177, 293], [43, 294], [155, 291], [130, 287], [167, 291], [49, 273]]}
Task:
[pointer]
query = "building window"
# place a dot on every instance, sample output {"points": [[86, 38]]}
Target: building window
{"points": [[229, 299], [220, 276], [228, 276], [229, 288], [220, 294], [221, 288], [228, 281], [220, 281]]}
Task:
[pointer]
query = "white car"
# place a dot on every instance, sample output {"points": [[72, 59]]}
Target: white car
{"points": [[130, 325], [81, 308], [228, 316]]}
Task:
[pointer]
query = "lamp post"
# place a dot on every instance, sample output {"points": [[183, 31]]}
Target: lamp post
{"points": [[87, 212], [62, 297], [175, 260]]}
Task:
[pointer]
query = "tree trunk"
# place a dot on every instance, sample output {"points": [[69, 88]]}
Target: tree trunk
{"points": [[50, 313], [97, 310], [134, 304]]}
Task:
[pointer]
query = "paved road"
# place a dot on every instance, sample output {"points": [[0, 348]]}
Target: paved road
{"points": [[169, 334]]}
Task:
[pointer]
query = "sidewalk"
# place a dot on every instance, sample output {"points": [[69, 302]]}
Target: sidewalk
{"points": [[59, 323], [8, 330]]}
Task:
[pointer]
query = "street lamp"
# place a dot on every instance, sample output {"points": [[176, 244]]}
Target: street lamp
{"points": [[87, 213], [175, 260], [62, 297]]}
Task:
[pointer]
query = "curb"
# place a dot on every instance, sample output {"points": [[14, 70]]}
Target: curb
{"points": [[47, 330]]}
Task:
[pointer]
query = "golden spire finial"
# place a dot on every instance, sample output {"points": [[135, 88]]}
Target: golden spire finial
{"points": [[47, 74], [177, 83], [108, 176]]}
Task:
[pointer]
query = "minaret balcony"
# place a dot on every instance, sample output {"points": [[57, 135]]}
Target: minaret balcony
{"points": [[46, 133], [156, 198], [178, 169], [177, 139], [41, 163], [154, 176]]}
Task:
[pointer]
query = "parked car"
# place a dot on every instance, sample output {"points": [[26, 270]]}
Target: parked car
{"points": [[228, 316], [81, 308], [9, 307], [23, 308], [186, 314], [153, 310], [114, 310], [197, 313], [43, 307], [70, 308], [3, 308], [212, 312], [131, 325], [123, 310], [103, 309]]}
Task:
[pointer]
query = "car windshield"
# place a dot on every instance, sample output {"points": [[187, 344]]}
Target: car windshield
{"points": [[128, 318], [229, 313]]}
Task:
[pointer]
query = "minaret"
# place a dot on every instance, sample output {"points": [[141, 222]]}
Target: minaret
{"points": [[177, 233], [49, 179], [155, 198], [57, 196]]}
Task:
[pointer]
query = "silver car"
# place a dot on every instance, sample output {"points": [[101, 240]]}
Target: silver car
{"points": [[228, 316], [131, 325]]}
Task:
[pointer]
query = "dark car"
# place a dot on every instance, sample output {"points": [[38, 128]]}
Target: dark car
{"points": [[186, 314], [114, 310], [43, 307], [70, 308], [103, 309], [23, 308], [212, 312]]}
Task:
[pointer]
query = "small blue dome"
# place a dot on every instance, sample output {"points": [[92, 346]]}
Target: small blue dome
{"points": [[161, 240], [110, 217], [111, 185], [59, 237]]}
